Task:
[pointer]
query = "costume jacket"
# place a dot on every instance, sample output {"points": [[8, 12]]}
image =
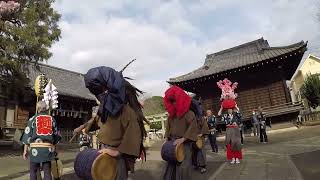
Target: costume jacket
{"points": [[41, 135]]}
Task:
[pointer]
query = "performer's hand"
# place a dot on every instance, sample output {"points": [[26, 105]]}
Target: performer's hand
{"points": [[199, 135], [111, 152], [78, 130], [179, 141], [25, 155]]}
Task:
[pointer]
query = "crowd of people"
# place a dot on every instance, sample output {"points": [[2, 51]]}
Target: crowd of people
{"points": [[233, 117], [120, 121]]}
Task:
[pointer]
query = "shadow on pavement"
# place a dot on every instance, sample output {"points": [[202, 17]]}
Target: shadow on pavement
{"points": [[153, 170], [308, 164]]}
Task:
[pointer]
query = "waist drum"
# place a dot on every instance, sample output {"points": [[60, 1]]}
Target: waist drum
{"points": [[92, 165], [171, 152]]}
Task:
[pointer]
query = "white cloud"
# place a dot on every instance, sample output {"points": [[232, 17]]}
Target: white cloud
{"points": [[171, 38]]}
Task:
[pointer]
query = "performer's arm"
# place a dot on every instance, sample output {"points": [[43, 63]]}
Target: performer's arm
{"points": [[192, 131], [220, 111], [205, 128], [91, 125], [25, 139], [25, 152], [132, 137]]}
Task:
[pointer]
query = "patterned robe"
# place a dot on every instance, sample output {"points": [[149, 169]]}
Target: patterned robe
{"points": [[41, 128]]}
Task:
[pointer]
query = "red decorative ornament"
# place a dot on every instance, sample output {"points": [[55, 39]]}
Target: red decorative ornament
{"points": [[44, 125], [228, 95], [228, 104]]}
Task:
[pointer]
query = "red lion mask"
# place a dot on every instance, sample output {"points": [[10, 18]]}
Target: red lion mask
{"points": [[176, 101]]}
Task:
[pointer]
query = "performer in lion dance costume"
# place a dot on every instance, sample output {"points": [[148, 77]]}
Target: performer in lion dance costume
{"points": [[181, 133], [232, 120], [120, 123]]}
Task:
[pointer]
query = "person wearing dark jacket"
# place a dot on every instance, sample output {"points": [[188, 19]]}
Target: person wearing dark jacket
{"points": [[263, 126], [255, 123], [211, 120], [238, 117]]}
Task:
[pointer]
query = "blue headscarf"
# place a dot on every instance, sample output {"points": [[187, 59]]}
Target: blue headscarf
{"points": [[102, 78], [197, 109]]}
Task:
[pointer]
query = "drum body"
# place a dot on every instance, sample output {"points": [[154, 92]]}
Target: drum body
{"points": [[92, 165], [200, 142], [171, 152]]}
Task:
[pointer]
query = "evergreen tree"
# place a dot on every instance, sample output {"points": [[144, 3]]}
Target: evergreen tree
{"points": [[27, 30], [311, 90]]}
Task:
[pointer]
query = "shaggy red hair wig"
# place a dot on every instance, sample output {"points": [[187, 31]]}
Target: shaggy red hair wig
{"points": [[176, 101]]}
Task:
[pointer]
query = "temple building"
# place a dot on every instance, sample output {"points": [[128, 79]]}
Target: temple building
{"points": [[260, 70]]}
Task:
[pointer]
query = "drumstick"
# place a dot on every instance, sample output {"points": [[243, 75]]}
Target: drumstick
{"points": [[74, 136]]}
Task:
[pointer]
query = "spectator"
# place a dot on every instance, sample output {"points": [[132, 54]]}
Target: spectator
{"points": [[211, 120], [263, 126], [299, 118], [238, 117], [85, 141], [255, 123]]}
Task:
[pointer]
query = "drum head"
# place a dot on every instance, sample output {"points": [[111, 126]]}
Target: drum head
{"points": [[200, 142], [56, 168], [104, 167], [180, 152]]}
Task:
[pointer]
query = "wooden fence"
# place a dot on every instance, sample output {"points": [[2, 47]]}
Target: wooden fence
{"points": [[313, 116], [66, 135]]}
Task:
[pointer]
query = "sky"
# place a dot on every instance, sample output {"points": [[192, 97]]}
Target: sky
{"points": [[172, 38]]}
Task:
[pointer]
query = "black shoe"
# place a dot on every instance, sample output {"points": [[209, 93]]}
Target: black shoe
{"points": [[203, 170]]}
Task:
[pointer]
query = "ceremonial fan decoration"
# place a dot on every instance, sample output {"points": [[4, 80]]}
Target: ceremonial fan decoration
{"points": [[228, 95], [46, 91], [50, 96]]}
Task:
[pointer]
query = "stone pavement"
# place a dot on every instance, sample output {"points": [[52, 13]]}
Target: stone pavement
{"points": [[290, 155], [14, 166]]}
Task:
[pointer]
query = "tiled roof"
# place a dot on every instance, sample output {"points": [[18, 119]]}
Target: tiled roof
{"points": [[68, 83], [239, 56]]}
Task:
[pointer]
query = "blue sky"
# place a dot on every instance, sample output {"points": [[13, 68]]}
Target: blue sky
{"points": [[170, 38]]}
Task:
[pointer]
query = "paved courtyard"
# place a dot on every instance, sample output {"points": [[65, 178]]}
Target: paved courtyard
{"points": [[290, 155]]}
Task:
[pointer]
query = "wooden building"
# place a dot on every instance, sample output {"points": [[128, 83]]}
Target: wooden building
{"points": [[75, 101], [260, 70]]}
